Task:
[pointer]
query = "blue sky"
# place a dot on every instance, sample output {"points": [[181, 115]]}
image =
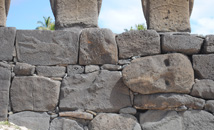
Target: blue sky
{"points": [[115, 14]]}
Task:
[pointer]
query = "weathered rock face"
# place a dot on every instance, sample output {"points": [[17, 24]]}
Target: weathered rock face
{"points": [[159, 74], [34, 93], [97, 46], [203, 89], [91, 68], [7, 41], [114, 122], [31, 120], [128, 110], [64, 124], [203, 66], [210, 106], [39, 47], [102, 91], [23, 69], [5, 76], [77, 114], [5, 5], [168, 16], [178, 102], [209, 44], [186, 44], [70, 13], [75, 69], [53, 71], [138, 43]]}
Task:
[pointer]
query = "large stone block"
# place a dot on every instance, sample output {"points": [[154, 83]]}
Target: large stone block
{"points": [[31, 120], [51, 71], [102, 91], [105, 121], [210, 106], [178, 102], [97, 47], [23, 69], [7, 41], [5, 5], [5, 77], [203, 66], [186, 44], [64, 124], [159, 74], [168, 15], [39, 47], [138, 43], [34, 94], [209, 44]]}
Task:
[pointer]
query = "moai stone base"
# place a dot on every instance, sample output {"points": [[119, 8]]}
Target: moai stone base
{"points": [[168, 15], [4, 9], [76, 13]]}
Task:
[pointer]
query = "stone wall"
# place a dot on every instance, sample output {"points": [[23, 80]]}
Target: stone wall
{"points": [[96, 80]]}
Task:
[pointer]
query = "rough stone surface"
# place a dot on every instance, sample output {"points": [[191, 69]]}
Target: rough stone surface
{"points": [[210, 106], [91, 68], [64, 124], [159, 74], [168, 16], [7, 40], [203, 89], [138, 43], [34, 93], [69, 13], [161, 120], [31, 120], [178, 102], [77, 114], [23, 69], [124, 62], [53, 71], [42, 47], [5, 5], [114, 122], [203, 66], [75, 69], [209, 44], [186, 44], [128, 110], [111, 67], [97, 47], [102, 91], [5, 77]]}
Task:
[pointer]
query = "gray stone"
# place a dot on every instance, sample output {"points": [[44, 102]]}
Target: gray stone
{"points": [[77, 114], [124, 62], [91, 68], [5, 5], [97, 47], [23, 69], [138, 43], [203, 66], [64, 124], [102, 91], [114, 122], [178, 102], [161, 120], [111, 67], [209, 44], [210, 106], [159, 74], [186, 44], [7, 41], [31, 120], [70, 13], [168, 16], [5, 77], [75, 69], [51, 71], [128, 110], [42, 47], [34, 93], [203, 89]]}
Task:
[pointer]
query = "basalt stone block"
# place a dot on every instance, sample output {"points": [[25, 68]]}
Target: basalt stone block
{"points": [[31, 120], [5, 77], [159, 74], [5, 5], [203, 66], [178, 102], [23, 69], [203, 89], [209, 44], [97, 47], [168, 16], [34, 94], [51, 71], [210, 106], [64, 124], [102, 91], [70, 13], [7, 40], [105, 121], [186, 44], [138, 43], [42, 47]]}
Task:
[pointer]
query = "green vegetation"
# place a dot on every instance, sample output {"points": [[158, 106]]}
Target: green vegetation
{"points": [[137, 27], [47, 24], [7, 123]]}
